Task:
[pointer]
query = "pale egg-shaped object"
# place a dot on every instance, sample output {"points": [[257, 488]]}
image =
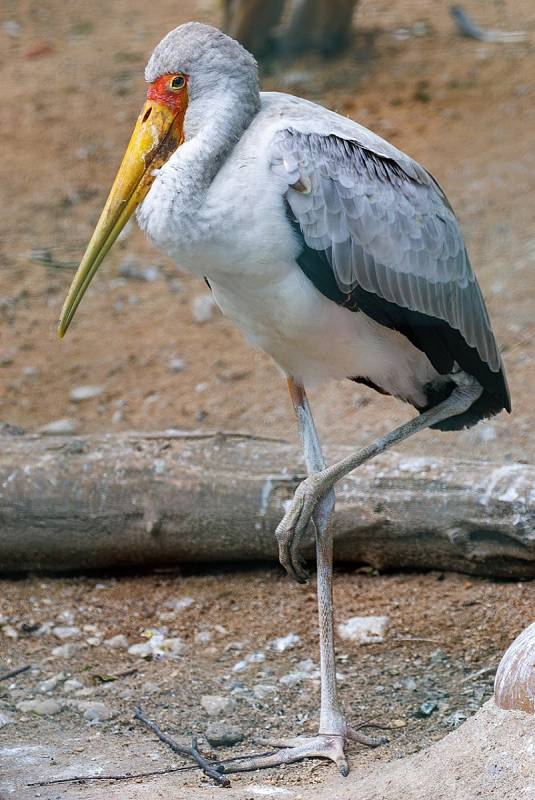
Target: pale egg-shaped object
{"points": [[514, 685]]}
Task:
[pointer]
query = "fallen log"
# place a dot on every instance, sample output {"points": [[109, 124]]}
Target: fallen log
{"points": [[75, 503]]}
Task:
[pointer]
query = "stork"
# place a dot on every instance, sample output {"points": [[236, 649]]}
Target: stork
{"points": [[332, 250]]}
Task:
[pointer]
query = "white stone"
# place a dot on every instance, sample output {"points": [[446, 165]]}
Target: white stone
{"points": [[44, 708], [51, 683], [256, 658], [203, 637], [10, 632], [158, 645], [215, 704], [364, 630], [72, 685], [94, 711], [66, 631], [202, 307], [252, 658], [86, 691], [118, 642], [59, 427], [175, 365], [65, 650], [180, 603], [284, 642], [293, 678], [263, 690], [141, 649], [174, 645], [5, 719], [82, 393]]}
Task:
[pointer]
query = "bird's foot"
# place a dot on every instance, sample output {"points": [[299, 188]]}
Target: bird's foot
{"points": [[325, 745], [293, 526]]}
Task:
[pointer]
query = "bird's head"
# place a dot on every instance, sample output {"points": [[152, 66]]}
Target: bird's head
{"points": [[188, 73]]}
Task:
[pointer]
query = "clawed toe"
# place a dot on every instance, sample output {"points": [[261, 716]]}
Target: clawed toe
{"points": [[293, 527], [326, 746], [356, 735]]}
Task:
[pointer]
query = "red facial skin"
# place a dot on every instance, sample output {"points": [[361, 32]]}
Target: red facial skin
{"points": [[160, 91]]}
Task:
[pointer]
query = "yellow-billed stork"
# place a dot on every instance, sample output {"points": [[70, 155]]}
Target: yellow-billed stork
{"points": [[332, 250]]}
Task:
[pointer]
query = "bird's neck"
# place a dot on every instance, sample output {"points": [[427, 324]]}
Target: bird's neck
{"points": [[170, 214], [212, 130]]}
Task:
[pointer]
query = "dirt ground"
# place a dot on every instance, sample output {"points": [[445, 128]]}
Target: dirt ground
{"points": [[443, 643], [72, 85]]}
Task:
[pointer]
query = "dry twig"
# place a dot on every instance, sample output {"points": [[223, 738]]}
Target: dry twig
{"points": [[212, 771], [11, 674]]}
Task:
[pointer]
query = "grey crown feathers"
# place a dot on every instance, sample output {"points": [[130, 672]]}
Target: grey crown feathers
{"points": [[211, 58]]}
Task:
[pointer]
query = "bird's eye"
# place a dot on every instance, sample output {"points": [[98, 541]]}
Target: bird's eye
{"points": [[177, 82]]}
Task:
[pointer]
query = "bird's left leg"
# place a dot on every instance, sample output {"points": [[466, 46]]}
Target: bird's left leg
{"points": [[310, 493], [333, 730]]}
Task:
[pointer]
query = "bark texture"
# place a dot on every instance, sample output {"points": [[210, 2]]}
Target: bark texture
{"points": [[71, 504]]}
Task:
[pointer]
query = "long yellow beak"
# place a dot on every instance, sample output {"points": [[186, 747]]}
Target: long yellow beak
{"points": [[157, 134]]}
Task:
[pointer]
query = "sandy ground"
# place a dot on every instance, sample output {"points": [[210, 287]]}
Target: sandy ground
{"points": [[72, 86]]}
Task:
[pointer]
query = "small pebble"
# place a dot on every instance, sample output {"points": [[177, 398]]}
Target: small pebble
{"points": [[6, 719], [427, 708], [10, 632], [86, 691], [179, 604], [263, 690], [72, 685], [94, 711], [11, 27], [59, 427], [293, 678], [219, 734], [364, 630], [65, 650], [118, 642], [132, 270], [284, 642], [202, 307], [44, 708], [51, 683], [82, 393], [203, 637], [175, 365], [66, 631], [215, 704]]}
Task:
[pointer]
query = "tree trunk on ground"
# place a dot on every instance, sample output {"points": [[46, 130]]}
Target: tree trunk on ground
{"points": [[134, 499]]}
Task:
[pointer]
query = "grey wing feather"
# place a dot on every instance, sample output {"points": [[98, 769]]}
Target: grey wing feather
{"points": [[385, 226]]}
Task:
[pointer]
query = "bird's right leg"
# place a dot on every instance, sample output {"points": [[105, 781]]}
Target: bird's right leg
{"points": [[334, 732]]}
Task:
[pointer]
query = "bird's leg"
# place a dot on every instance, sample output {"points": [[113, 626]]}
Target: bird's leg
{"points": [[310, 492], [333, 730]]}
